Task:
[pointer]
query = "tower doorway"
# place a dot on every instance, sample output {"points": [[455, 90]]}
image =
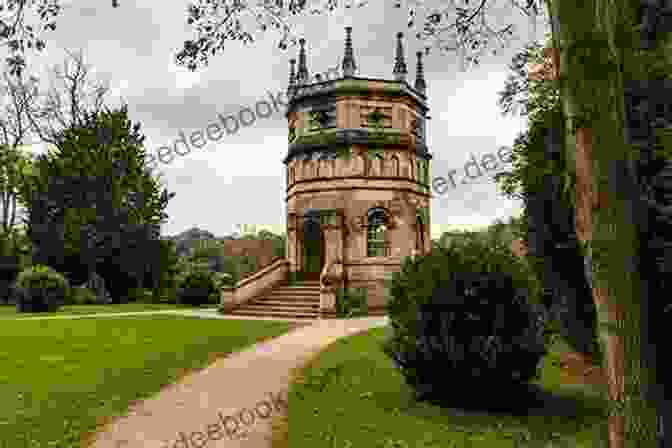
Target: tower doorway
{"points": [[313, 245]]}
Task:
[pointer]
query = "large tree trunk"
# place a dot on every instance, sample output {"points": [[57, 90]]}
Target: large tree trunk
{"points": [[607, 214]]}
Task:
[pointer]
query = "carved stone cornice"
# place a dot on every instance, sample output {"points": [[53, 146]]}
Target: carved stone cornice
{"points": [[307, 144]]}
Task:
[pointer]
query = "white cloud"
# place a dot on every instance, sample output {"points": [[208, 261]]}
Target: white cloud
{"points": [[240, 179]]}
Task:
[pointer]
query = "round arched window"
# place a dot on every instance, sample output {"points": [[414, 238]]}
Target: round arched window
{"points": [[376, 228]]}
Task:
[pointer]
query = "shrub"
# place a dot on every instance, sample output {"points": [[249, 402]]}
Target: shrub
{"points": [[463, 331], [41, 288], [351, 302], [223, 279], [9, 269], [82, 296], [198, 288], [142, 295]]}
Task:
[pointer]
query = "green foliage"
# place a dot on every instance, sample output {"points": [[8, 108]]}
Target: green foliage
{"points": [[210, 255], [91, 199], [351, 302], [280, 241], [248, 264], [547, 185], [9, 269], [238, 266], [14, 165], [539, 101], [198, 288], [166, 269], [41, 289], [499, 232], [82, 296], [222, 279], [463, 325], [40, 276], [142, 295]]}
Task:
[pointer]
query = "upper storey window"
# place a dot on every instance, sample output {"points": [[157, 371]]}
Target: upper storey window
{"points": [[292, 129], [322, 117], [376, 116]]}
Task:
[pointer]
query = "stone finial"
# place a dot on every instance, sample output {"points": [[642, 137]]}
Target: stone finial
{"points": [[349, 66], [420, 84], [302, 75], [399, 64], [292, 76]]}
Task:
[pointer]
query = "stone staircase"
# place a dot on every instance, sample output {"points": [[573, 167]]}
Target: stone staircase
{"points": [[299, 300]]}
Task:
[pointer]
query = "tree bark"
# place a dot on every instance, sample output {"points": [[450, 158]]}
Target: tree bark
{"points": [[607, 213]]}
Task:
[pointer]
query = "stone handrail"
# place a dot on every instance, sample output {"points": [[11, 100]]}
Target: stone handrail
{"points": [[253, 285], [250, 274], [331, 278]]}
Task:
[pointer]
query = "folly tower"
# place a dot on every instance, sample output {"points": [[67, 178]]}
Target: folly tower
{"points": [[358, 183]]}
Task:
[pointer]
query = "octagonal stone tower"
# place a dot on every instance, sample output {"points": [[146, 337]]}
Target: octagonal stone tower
{"points": [[358, 183]]}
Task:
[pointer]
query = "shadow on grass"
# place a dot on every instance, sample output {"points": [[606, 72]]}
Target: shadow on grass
{"points": [[530, 400], [351, 394]]}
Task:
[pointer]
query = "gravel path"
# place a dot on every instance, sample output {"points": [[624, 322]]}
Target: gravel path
{"points": [[230, 403]]}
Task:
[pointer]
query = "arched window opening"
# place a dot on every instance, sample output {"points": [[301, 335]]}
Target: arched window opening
{"points": [[419, 235], [395, 166], [376, 230]]}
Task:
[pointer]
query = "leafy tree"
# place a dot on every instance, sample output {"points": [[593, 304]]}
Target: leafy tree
{"points": [[217, 21], [540, 176], [604, 45], [18, 95], [210, 256], [165, 269], [94, 190], [13, 165], [606, 48]]}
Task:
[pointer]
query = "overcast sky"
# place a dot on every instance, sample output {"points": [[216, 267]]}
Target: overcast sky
{"points": [[241, 178]]}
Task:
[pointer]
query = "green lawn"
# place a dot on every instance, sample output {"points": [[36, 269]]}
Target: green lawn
{"points": [[352, 395], [10, 310], [60, 378]]}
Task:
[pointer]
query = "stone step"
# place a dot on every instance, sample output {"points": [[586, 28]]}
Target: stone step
{"points": [[290, 296], [283, 308], [289, 303], [298, 300], [267, 313], [301, 292], [300, 285], [288, 299], [297, 288]]}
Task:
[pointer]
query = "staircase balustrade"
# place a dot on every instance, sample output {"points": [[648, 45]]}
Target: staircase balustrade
{"points": [[331, 279], [254, 285]]}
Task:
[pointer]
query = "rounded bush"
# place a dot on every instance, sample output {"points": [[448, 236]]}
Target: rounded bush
{"points": [[463, 329], [40, 289], [197, 288], [83, 296], [223, 279]]}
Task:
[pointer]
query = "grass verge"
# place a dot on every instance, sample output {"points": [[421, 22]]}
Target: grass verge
{"points": [[351, 395], [61, 379], [9, 311]]}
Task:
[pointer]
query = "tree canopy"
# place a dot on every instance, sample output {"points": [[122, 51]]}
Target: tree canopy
{"points": [[462, 26]]}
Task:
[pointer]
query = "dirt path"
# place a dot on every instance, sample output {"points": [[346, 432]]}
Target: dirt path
{"points": [[231, 402]]}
